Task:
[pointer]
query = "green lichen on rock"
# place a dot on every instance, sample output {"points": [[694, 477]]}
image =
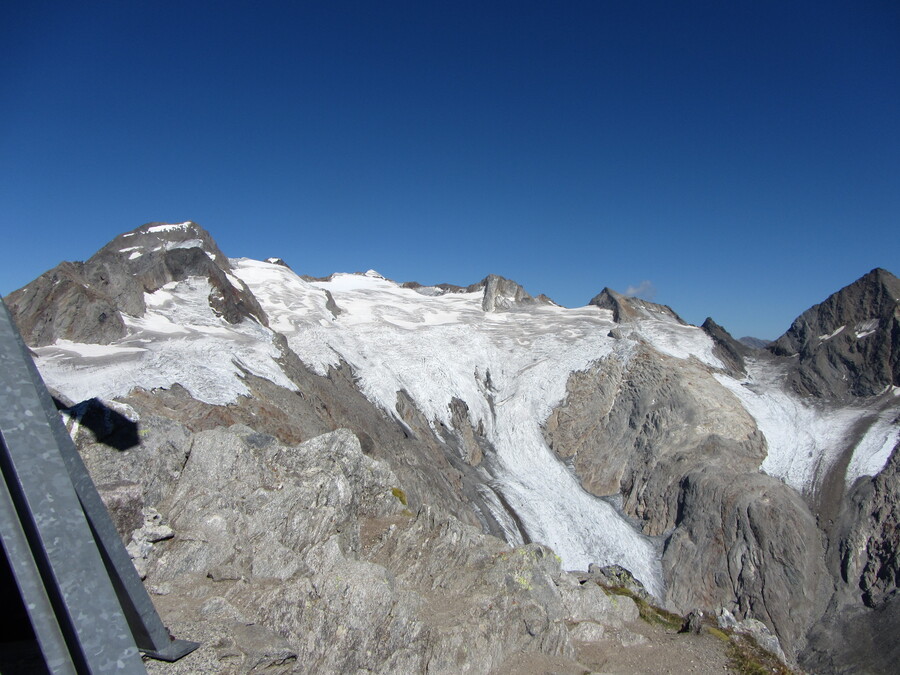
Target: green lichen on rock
{"points": [[400, 495], [523, 582]]}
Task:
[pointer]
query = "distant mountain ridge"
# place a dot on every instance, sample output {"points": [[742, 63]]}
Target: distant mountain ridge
{"points": [[754, 343]]}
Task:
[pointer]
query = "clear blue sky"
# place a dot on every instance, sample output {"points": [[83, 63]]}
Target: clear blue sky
{"points": [[741, 158]]}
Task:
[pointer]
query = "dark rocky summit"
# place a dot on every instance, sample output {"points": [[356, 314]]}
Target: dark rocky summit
{"points": [[85, 302], [848, 345]]}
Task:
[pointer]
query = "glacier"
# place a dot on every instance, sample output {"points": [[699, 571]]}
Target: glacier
{"points": [[510, 367]]}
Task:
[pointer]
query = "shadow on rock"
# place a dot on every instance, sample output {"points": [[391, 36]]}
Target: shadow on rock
{"points": [[109, 426]]}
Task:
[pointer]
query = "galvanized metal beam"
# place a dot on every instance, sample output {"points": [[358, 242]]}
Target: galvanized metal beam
{"points": [[30, 584], [99, 604]]}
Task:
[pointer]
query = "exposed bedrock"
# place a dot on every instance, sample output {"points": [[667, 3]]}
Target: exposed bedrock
{"points": [[303, 558], [627, 308], [501, 294], [637, 426], [868, 541], [731, 352], [748, 543], [61, 303], [685, 455], [864, 558]]}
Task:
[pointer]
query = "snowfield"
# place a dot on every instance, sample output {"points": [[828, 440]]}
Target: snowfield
{"points": [[178, 340], [873, 451], [806, 439]]}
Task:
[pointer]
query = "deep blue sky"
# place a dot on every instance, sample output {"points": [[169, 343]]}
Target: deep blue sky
{"points": [[740, 158]]}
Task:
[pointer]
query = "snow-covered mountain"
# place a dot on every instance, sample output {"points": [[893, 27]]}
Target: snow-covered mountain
{"points": [[721, 476]]}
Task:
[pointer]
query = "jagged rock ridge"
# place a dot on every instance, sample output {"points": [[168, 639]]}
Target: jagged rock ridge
{"points": [[731, 351]]}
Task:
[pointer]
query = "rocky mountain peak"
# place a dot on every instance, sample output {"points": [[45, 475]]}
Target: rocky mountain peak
{"points": [[850, 343], [501, 293], [627, 308], [85, 302], [151, 235], [161, 238]]}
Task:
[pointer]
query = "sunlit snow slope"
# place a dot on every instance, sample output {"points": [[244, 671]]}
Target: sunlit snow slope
{"points": [[806, 438]]}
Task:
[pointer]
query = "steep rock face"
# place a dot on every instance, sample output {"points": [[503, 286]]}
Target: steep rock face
{"points": [[864, 559], [855, 640], [850, 343], [632, 427], [870, 535], [748, 543], [684, 455], [626, 308], [85, 302], [730, 351], [62, 303]]}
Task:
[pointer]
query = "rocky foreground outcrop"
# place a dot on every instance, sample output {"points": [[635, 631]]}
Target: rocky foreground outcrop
{"points": [[306, 558]]}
